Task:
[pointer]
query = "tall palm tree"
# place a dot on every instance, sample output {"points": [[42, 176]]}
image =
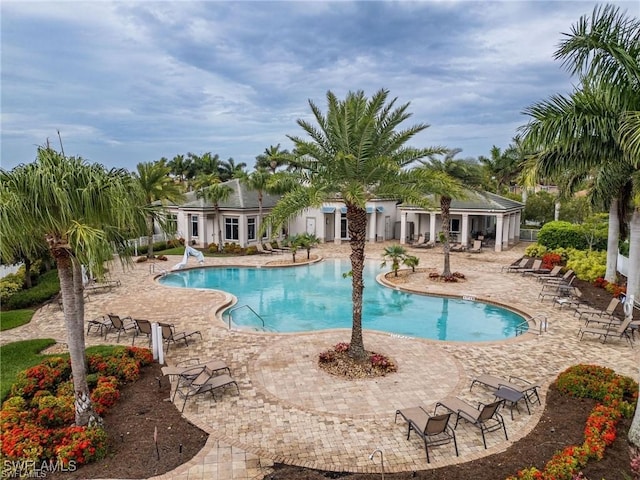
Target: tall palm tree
{"points": [[272, 158], [604, 50], [80, 211], [179, 167], [230, 169], [355, 153], [258, 180], [157, 186], [216, 193], [463, 173]]}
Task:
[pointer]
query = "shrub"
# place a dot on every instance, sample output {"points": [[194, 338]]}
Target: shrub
{"points": [[535, 250], [565, 235], [141, 259], [213, 248], [550, 260], [48, 287], [82, 445], [618, 395], [588, 265], [9, 285]]}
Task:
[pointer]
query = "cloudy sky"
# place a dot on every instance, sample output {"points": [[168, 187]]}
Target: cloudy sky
{"points": [[127, 82]]}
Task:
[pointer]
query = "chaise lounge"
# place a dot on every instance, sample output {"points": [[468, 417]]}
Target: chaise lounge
{"points": [[433, 429], [485, 417]]}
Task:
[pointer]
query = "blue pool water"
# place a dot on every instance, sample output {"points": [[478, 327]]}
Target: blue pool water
{"points": [[318, 297]]}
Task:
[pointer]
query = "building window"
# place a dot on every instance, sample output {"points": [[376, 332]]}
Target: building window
{"points": [[344, 226], [231, 231], [251, 228], [194, 226], [455, 225]]}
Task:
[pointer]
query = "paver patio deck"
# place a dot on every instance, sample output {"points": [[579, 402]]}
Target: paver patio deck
{"points": [[289, 411]]}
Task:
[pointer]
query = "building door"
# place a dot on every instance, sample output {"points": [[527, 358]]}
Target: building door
{"points": [[311, 225], [387, 228]]}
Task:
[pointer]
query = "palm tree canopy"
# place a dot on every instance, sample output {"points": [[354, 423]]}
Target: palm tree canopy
{"points": [[85, 208], [156, 184], [355, 153]]}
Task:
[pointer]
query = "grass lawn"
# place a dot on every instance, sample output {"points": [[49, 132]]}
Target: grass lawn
{"points": [[15, 318]]}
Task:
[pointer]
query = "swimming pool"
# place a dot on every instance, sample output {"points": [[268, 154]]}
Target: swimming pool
{"points": [[318, 297]]}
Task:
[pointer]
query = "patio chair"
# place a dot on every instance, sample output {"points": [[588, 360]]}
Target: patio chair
{"points": [[101, 323], [269, 248], [206, 381], [189, 369], [588, 312], [169, 335], [477, 247], [458, 247], [622, 331], [434, 429], [514, 267], [564, 279], [553, 273], [260, 248], [282, 246], [528, 389], [572, 300], [556, 290], [535, 268], [120, 324], [143, 327], [485, 417]]}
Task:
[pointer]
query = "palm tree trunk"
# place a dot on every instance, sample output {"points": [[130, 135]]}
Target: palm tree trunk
{"points": [[633, 280], [27, 272], [150, 237], [445, 206], [217, 209], [612, 242], [357, 218], [73, 304]]}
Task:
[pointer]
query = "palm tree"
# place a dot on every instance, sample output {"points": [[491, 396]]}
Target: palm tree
{"points": [[355, 153], [179, 167], [464, 173], [216, 193], [157, 186], [503, 167], [80, 211], [258, 180], [229, 169], [395, 254], [411, 261], [308, 241], [272, 158], [604, 50]]}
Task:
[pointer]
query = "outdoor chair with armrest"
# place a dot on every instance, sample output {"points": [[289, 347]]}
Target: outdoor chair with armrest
{"points": [[553, 273], [169, 334], [515, 267], [565, 278], [433, 429], [143, 327], [120, 324], [586, 312], [189, 369], [535, 268], [101, 324], [485, 417], [620, 331], [525, 387], [206, 381]]}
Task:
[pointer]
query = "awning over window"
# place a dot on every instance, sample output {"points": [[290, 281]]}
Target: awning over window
{"points": [[328, 209], [380, 209], [343, 210], [369, 209]]}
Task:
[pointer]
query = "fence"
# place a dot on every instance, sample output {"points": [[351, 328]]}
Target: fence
{"points": [[529, 235]]}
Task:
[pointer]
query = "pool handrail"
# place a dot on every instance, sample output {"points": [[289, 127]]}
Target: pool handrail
{"points": [[244, 306]]}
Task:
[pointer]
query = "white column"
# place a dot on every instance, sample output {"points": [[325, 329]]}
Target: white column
{"points": [[517, 232], [336, 226], [432, 227], [499, 231], [465, 229], [403, 227], [512, 228], [373, 225]]}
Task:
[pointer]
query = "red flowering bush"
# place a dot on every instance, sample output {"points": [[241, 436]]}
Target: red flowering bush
{"points": [[550, 260], [81, 444], [459, 275], [327, 357], [105, 395], [619, 396], [341, 347], [34, 422]]}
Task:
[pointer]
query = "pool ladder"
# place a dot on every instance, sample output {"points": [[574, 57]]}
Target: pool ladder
{"points": [[230, 316], [540, 319]]}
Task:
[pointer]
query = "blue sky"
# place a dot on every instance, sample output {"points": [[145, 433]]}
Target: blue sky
{"points": [[127, 82]]}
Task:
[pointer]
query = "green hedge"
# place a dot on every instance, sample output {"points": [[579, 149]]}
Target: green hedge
{"points": [[569, 235], [48, 287]]}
